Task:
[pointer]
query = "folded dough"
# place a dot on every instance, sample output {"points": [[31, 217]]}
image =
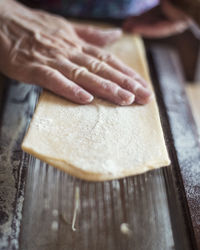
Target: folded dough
{"points": [[99, 141]]}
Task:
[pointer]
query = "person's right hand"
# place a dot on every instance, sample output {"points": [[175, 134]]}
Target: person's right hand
{"points": [[161, 21], [46, 50]]}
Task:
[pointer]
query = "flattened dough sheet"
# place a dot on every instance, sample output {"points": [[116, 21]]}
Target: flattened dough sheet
{"points": [[99, 141], [193, 93]]}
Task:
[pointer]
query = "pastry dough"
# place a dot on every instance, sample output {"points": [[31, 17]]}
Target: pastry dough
{"points": [[193, 93], [99, 141]]}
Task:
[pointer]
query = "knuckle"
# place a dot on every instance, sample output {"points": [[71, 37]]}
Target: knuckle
{"points": [[97, 66], [77, 72], [106, 57]]}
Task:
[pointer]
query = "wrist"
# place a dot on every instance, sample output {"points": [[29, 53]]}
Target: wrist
{"points": [[6, 6]]}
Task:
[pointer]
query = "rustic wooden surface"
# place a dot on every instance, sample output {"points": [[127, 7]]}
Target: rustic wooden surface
{"points": [[159, 206], [185, 147], [139, 201], [193, 94], [16, 108], [186, 46]]}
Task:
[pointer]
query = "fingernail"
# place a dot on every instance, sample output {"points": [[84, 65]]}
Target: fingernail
{"points": [[143, 95], [126, 98], [84, 96]]}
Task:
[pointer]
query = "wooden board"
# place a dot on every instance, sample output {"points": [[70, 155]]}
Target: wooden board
{"points": [[156, 205], [110, 142], [193, 93], [184, 147]]}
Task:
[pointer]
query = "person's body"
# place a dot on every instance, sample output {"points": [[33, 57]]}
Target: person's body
{"points": [[44, 49]]}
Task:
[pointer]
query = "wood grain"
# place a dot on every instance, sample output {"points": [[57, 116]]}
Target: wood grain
{"points": [[158, 206], [185, 148]]}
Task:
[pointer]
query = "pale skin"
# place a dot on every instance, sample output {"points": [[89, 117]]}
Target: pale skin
{"points": [[47, 50], [65, 58]]}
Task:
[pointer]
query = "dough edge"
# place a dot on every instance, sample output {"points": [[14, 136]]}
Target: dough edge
{"points": [[95, 176], [92, 176]]}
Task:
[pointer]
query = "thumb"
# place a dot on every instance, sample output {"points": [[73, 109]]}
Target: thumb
{"points": [[99, 37]]}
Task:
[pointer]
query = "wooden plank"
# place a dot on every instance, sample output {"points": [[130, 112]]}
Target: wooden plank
{"points": [[15, 110], [193, 93], [140, 201], [186, 145]]}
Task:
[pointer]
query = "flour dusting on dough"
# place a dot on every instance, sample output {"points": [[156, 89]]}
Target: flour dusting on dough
{"points": [[100, 141]]}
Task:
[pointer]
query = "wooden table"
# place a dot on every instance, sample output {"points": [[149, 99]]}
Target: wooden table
{"points": [[161, 207]]}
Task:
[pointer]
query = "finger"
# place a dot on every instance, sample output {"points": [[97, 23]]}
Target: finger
{"points": [[153, 24], [53, 80], [114, 62], [160, 29], [97, 36], [94, 84], [106, 71], [172, 12], [149, 17]]}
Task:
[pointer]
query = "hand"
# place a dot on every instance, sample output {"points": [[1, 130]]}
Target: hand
{"points": [[48, 51], [162, 21]]}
